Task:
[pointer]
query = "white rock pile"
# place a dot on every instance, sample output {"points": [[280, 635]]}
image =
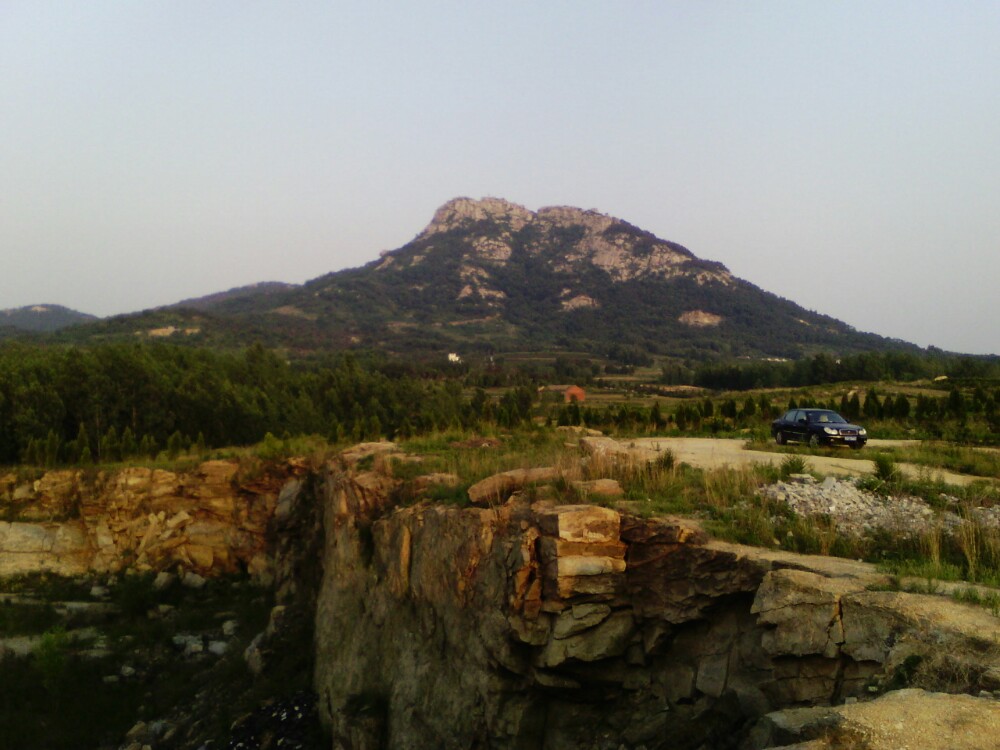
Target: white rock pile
{"points": [[856, 511]]}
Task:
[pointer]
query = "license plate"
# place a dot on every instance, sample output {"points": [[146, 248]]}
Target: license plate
{"points": [[850, 439]]}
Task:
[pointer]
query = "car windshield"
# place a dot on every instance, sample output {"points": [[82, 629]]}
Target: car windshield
{"points": [[826, 417]]}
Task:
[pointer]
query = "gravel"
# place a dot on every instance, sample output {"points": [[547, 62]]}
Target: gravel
{"points": [[856, 511]]}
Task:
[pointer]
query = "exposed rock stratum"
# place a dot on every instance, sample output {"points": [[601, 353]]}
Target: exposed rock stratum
{"points": [[526, 623]]}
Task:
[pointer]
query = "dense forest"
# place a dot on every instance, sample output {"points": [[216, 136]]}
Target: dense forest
{"points": [[114, 401]]}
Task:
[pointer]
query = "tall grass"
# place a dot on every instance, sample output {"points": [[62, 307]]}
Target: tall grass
{"points": [[727, 500], [961, 459]]}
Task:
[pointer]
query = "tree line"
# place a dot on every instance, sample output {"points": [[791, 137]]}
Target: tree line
{"points": [[116, 401], [968, 417], [820, 369]]}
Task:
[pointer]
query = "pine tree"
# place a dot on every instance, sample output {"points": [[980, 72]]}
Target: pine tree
{"points": [[764, 407], [52, 445], [873, 407], [374, 428], [82, 442], [175, 444], [128, 445], [147, 447], [198, 446], [855, 406], [956, 404], [110, 448], [656, 416], [901, 407], [29, 455], [682, 418]]}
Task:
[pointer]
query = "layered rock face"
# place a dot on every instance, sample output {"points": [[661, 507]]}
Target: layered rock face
{"points": [[72, 522], [535, 625], [531, 624]]}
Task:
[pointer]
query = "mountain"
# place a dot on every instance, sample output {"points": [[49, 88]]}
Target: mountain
{"points": [[489, 276], [41, 318], [231, 297]]}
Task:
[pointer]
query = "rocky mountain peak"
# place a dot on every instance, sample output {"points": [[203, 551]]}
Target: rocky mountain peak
{"points": [[459, 211], [569, 239]]}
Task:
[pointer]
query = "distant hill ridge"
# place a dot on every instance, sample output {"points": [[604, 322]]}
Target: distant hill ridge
{"points": [[42, 318], [210, 301], [490, 276]]}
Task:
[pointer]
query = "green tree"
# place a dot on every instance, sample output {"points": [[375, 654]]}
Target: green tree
{"points": [[764, 407], [110, 446], [957, 406], [854, 409], [175, 444], [52, 445], [872, 407], [82, 443], [901, 406], [128, 444], [656, 419], [148, 447]]}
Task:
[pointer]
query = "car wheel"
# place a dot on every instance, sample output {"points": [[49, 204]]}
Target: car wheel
{"points": [[779, 437], [814, 441]]}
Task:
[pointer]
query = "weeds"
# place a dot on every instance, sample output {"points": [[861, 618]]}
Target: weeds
{"points": [[988, 599], [957, 458]]}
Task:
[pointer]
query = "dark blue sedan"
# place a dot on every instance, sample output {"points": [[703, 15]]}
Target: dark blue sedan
{"points": [[817, 427]]}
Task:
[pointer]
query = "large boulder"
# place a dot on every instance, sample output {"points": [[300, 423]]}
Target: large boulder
{"points": [[903, 719]]}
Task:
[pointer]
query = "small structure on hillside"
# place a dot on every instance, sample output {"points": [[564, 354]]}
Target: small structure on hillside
{"points": [[570, 393]]}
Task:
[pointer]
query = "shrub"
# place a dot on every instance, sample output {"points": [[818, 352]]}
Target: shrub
{"points": [[886, 469], [793, 464]]}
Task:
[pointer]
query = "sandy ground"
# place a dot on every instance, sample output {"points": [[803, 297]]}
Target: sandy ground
{"points": [[710, 453]]}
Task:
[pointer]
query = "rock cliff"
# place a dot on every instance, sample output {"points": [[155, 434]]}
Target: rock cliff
{"points": [[537, 625], [524, 623], [209, 520]]}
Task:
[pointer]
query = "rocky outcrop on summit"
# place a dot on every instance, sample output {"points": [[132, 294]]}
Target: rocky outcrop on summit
{"points": [[456, 213], [569, 238]]}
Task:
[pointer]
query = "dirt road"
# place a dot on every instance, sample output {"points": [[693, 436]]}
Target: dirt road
{"points": [[709, 453]]}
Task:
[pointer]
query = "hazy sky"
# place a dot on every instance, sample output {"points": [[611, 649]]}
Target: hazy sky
{"points": [[843, 155]]}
